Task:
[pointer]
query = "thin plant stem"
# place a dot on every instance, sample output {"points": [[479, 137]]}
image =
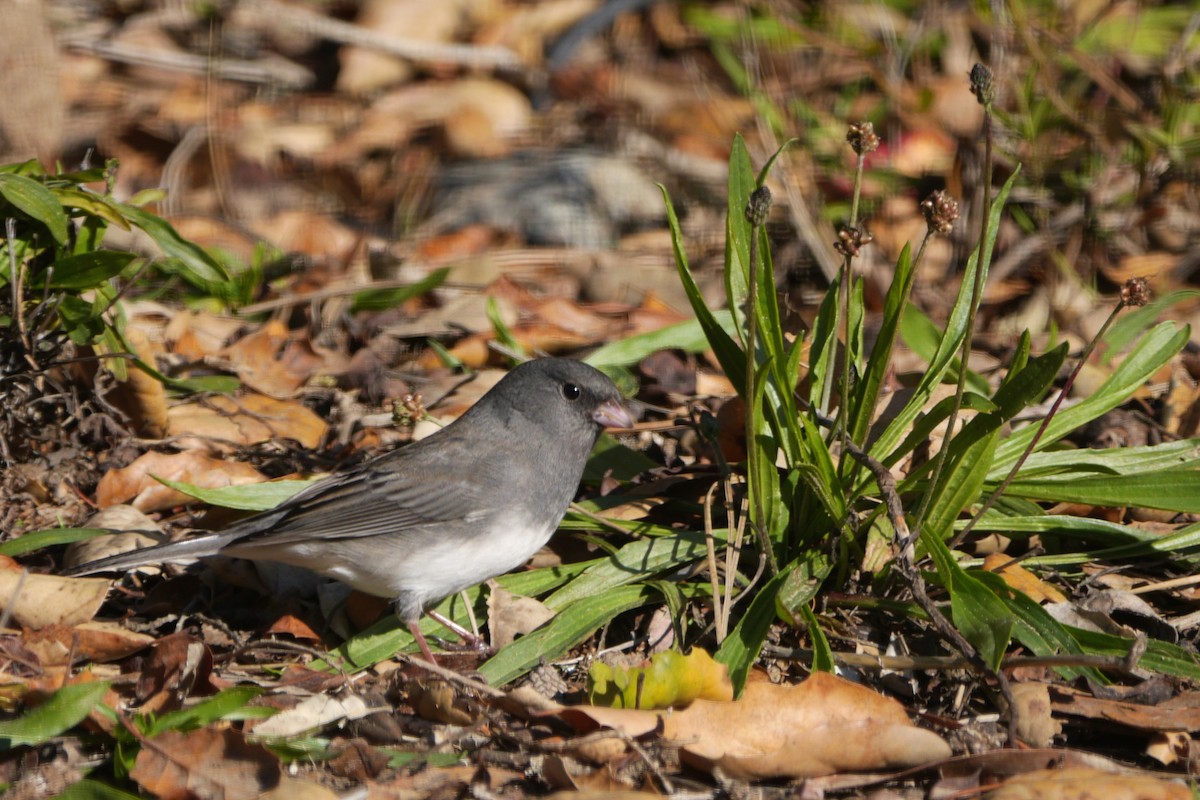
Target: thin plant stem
{"points": [[1037, 437], [969, 334], [756, 215]]}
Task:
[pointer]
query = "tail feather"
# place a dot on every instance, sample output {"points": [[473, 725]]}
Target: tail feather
{"points": [[182, 550]]}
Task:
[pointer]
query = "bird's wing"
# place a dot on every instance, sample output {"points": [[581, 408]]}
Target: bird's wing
{"points": [[405, 491]]}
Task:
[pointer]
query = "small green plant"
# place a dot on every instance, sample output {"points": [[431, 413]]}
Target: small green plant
{"points": [[59, 292], [832, 510]]}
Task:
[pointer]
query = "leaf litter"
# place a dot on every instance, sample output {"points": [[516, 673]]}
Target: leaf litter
{"points": [[384, 155]]}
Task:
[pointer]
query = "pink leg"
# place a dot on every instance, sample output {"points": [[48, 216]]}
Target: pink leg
{"points": [[415, 629], [469, 638]]}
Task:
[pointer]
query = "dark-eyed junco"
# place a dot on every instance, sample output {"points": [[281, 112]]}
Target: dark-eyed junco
{"points": [[472, 501]]}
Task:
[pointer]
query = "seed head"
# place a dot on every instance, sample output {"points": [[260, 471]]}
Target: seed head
{"points": [[759, 206], [941, 212], [982, 85], [862, 138], [851, 240], [1136, 292]]}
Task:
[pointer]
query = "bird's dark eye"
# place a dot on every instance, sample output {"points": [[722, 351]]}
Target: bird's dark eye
{"points": [[570, 391]]}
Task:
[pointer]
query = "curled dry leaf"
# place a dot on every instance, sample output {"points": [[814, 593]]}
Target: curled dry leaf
{"points": [[131, 530], [313, 714], [39, 601], [1082, 783], [822, 726], [250, 419], [136, 483], [511, 615]]}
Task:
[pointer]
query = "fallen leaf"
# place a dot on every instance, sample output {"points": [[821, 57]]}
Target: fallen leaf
{"points": [[819, 727], [312, 714], [131, 530], [1084, 783], [61, 645], [269, 360], [1022, 579], [511, 615], [39, 601], [670, 680], [250, 419], [136, 483], [215, 763]]}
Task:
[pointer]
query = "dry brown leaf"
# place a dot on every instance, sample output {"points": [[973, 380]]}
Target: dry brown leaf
{"points": [[510, 615], [290, 625], [205, 763], [1170, 747], [571, 316], [1022, 579], [297, 789], [142, 397], [136, 483], [250, 419], [131, 530], [176, 664], [58, 645], [269, 360], [819, 727], [1084, 783], [365, 69], [1180, 713], [196, 334], [480, 117], [1035, 724], [525, 27], [39, 601]]}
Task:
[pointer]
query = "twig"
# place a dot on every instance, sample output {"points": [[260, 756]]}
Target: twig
{"points": [[274, 15], [916, 582], [273, 71], [901, 663]]}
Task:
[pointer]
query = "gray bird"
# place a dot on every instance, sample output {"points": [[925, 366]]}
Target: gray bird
{"points": [[472, 501]]}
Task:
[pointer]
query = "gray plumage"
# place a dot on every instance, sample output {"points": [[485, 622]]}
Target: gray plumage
{"points": [[472, 501]]}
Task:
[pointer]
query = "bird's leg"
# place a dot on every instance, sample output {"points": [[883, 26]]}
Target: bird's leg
{"points": [[415, 629], [470, 639]]}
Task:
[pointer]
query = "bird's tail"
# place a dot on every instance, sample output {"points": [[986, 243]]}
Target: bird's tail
{"points": [[182, 550]]}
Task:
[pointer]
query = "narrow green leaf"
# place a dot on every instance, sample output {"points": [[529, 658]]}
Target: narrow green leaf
{"points": [[687, 336], [570, 626], [730, 356], [246, 497], [88, 789], [199, 268], [635, 561], [65, 709], [222, 705], [96, 205], [36, 540], [866, 396], [1153, 351], [381, 299], [1169, 489], [37, 201], [981, 617], [87, 270], [952, 337]]}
